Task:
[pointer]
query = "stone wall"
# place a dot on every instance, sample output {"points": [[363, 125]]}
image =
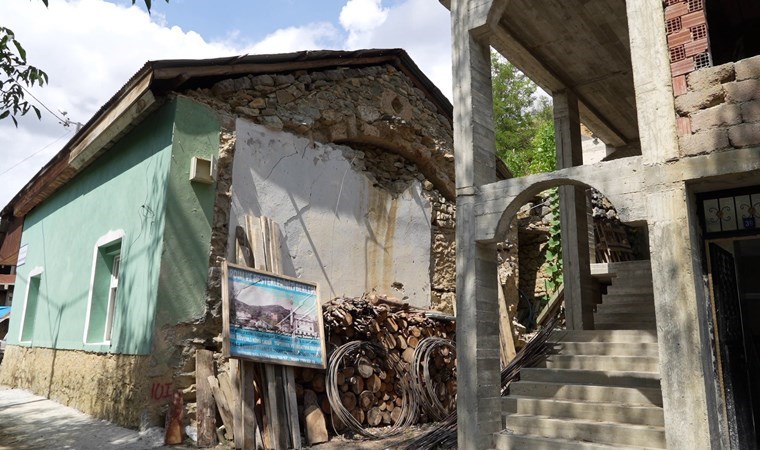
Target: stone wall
{"points": [[121, 388], [398, 135], [719, 108]]}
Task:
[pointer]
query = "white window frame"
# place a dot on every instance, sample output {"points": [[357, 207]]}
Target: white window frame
{"points": [[107, 239], [35, 272]]}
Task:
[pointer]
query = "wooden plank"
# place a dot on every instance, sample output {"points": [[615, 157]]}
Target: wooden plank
{"points": [[237, 410], [277, 417], [554, 302], [222, 404], [248, 403], [291, 405], [506, 339], [204, 368]]}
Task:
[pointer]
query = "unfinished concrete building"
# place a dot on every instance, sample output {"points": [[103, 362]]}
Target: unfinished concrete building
{"points": [[673, 88]]}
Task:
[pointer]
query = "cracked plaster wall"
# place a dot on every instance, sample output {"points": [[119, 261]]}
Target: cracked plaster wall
{"points": [[340, 229]]}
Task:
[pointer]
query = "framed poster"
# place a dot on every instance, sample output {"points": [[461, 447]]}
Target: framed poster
{"points": [[271, 318]]}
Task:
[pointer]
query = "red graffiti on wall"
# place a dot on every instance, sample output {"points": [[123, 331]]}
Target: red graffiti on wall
{"points": [[160, 391]]}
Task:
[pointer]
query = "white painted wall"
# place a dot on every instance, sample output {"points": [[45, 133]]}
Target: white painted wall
{"points": [[340, 231]]}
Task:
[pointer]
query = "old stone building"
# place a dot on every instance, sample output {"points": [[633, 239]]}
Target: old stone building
{"points": [[668, 358], [349, 154]]}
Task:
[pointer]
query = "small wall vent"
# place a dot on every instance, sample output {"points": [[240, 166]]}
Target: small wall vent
{"points": [[202, 170]]}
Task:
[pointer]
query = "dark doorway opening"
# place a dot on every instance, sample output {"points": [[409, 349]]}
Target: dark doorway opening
{"points": [[734, 29], [735, 286]]}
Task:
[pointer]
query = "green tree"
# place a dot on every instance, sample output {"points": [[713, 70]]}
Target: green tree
{"points": [[522, 120], [16, 75]]}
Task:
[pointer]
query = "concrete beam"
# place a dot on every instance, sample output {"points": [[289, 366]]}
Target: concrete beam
{"points": [[675, 273], [478, 399], [651, 79], [576, 265], [477, 16]]}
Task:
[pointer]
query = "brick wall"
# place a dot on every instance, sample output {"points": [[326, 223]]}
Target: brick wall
{"points": [[686, 27], [719, 108]]}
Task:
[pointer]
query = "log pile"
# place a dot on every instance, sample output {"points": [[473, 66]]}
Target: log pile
{"points": [[370, 387]]}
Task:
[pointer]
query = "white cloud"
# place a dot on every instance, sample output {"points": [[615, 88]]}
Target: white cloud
{"points": [[90, 48], [360, 17], [311, 37], [421, 27]]}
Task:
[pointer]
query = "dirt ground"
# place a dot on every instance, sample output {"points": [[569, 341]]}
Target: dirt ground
{"points": [[31, 422]]}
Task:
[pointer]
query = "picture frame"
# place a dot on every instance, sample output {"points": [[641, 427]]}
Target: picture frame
{"points": [[271, 318]]}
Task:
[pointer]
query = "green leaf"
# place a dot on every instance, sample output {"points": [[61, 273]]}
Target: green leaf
{"points": [[4, 114], [37, 111]]}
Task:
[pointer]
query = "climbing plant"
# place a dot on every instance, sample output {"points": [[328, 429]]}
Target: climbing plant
{"points": [[553, 253]]}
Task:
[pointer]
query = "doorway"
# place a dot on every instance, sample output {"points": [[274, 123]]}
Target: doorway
{"points": [[735, 286]]}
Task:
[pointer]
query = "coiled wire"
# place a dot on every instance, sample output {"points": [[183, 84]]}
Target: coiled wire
{"points": [[409, 404], [422, 383]]}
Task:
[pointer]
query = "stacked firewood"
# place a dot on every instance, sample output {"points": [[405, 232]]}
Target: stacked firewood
{"points": [[370, 386]]}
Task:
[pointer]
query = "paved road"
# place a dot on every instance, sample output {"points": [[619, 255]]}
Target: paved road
{"points": [[28, 421], [31, 422]]}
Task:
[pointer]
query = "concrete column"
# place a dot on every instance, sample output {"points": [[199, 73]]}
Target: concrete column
{"points": [[576, 263], [684, 346], [652, 81], [478, 400]]}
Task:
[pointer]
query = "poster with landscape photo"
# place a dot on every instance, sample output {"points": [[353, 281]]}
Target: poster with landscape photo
{"points": [[271, 318]]}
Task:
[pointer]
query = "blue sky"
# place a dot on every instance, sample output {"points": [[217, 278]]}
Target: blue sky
{"points": [[90, 48]]}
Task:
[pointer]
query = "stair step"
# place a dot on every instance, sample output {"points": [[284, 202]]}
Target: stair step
{"points": [[605, 394], [603, 362], [633, 279], [625, 325], [505, 440], [592, 377], [626, 307], [615, 335], [587, 430], [608, 348], [623, 317], [618, 299], [610, 412], [628, 290]]}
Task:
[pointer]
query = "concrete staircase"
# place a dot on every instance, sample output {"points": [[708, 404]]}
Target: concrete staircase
{"points": [[601, 390]]}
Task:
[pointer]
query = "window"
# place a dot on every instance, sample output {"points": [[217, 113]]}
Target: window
{"points": [[104, 289], [30, 305]]}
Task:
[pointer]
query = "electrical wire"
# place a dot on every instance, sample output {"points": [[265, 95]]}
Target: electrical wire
{"points": [[63, 121], [35, 153], [423, 383]]}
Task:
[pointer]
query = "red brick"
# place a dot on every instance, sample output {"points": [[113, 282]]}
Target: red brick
{"points": [[696, 47], [682, 37], [677, 10], [744, 135], [684, 125], [679, 85], [682, 67], [693, 19]]}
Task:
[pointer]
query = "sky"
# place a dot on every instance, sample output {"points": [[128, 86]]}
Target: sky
{"points": [[90, 48]]}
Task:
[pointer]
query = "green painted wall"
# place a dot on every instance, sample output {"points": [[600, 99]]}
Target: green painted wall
{"points": [[140, 186], [189, 216], [125, 189]]}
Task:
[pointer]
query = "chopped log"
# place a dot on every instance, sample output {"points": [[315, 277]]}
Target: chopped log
{"points": [[316, 427], [401, 342], [373, 383], [395, 414], [318, 383], [309, 397], [324, 403], [412, 341], [366, 400], [414, 331], [386, 418], [374, 417], [408, 355], [307, 374], [358, 414], [357, 384], [348, 399], [365, 368]]}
